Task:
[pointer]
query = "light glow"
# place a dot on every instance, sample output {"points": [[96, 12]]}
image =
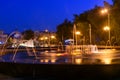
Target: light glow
{"points": [[106, 28], [53, 37], [77, 33], [104, 11]]}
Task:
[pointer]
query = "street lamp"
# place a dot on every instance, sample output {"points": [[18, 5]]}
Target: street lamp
{"points": [[107, 28], [52, 38], [77, 33], [104, 11]]}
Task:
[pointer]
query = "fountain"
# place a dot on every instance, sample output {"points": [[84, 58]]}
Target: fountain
{"points": [[2, 50], [27, 45], [29, 60], [89, 49], [15, 47]]}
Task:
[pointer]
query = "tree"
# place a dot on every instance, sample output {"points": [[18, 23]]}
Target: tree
{"points": [[115, 21], [116, 3], [64, 30], [91, 17], [28, 34]]}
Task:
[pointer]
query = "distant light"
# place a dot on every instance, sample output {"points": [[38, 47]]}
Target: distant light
{"points": [[106, 28], [77, 33], [41, 38], [17, 35], [104, 11], [52, 37], [41, 61], [46, 30], [46, 37], [46, 60]]}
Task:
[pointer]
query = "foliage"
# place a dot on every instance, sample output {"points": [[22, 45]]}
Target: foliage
{"points": [[64, 31], [97, 21], [28, 34], [93, 18]]}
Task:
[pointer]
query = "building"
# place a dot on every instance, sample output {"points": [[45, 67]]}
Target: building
{"points": [[46, 38], [3, 37]]}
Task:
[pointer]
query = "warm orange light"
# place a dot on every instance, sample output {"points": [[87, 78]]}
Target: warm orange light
{"points": [[106, 60], [52, 37], [41, 38], [46, 60], [46, 37], [78, 61], [77, 33], [53, 60], [104, 11], [106, 28], [41, 61]]}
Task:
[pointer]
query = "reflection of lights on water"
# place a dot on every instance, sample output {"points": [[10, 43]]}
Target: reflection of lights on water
{"points": [[78, 61], [53, 55], [46, 51], [41, 60], [53, 60], [107, 60], [107, 56], [76, 52], [46, 60], [105, 51]]}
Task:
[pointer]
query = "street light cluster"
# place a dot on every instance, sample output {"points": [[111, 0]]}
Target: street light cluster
{"points": [[45, 38], [104, 11], [107, 28]]}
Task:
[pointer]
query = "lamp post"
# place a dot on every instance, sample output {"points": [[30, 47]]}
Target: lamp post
{"points": [[74, 30], [52, 38], [77, 33], [90, 33], [107, 28]]}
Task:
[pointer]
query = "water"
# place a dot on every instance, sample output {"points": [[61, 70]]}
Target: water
{"points": [[61, 60], [105, 56]]}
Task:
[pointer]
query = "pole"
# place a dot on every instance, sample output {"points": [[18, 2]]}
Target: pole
{"points": [[76, 41], [109, 26], [49, 39], [90, 32], [73, 33], [74, 30]]}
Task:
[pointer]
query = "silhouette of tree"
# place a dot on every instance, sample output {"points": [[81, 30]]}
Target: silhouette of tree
{"points": [[28, 34], [64, 30]]}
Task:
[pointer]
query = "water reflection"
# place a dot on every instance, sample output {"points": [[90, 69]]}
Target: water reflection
{"points": [[52, 60], [107, 60], [46, 60], [110, 57], [78, 61]]}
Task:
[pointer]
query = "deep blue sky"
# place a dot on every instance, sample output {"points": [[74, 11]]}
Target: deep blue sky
{"points": [[41, 14]]}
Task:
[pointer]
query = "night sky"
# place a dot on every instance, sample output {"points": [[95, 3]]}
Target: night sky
{"points": [[41, 14]]}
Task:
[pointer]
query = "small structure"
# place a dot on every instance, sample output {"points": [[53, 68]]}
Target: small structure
{"points": [[29, 43], [69, 41]]}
